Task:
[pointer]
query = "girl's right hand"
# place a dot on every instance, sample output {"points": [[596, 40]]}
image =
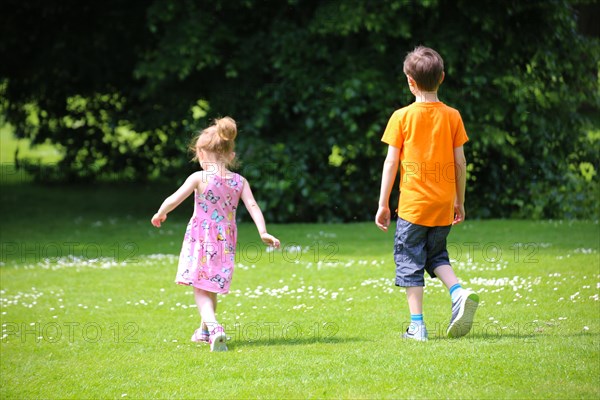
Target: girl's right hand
{"points": [[270, 240], [157, 219]]}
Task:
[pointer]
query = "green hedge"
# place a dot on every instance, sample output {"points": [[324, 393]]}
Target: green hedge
{"points": [[311, 85]]}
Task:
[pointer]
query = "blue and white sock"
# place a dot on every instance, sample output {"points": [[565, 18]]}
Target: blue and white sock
{"points": [[417, 319], [455, 291]]}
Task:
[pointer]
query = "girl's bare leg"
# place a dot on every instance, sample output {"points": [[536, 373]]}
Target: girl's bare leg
{"points": [[207, 307]]}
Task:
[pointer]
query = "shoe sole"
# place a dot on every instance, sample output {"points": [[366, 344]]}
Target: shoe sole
{"points": [[219, 342], [405, 336], [464, 321], [197, 339]]}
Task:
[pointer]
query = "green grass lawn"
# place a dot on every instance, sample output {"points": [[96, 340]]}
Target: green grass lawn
{"points": [[89, 308]]}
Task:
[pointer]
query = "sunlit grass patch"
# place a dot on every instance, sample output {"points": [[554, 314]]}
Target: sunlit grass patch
{"points": [[13, 149], [94, 311], [88, 308]]}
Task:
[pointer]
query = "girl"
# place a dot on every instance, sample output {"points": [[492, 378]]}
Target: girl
{"points": [[208, 250]]}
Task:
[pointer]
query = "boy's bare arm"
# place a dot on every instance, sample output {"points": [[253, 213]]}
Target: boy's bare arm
{"points": [[388, 177], [460, 175]]}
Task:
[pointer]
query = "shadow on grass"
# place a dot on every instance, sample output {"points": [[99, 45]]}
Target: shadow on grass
{"points": [[282, 341], [513, 337]]}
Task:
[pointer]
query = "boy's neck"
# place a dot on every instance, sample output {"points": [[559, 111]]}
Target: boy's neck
{"points": [[426, 97]]}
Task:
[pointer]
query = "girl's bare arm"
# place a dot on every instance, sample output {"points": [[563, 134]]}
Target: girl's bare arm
{"points": [[176, 198], [257, 216]]}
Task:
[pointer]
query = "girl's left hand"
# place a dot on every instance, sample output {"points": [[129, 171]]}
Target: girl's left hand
{"points": [[270, 240]]}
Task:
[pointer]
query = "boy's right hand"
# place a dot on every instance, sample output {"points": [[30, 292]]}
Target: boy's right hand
{"points": [[459, 213], [157, 219], [382, 219]]}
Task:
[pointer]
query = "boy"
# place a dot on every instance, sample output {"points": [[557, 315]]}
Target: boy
{"points": [[426, 141]]}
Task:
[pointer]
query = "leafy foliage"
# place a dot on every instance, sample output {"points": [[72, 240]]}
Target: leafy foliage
{"points": [[121, 87]]}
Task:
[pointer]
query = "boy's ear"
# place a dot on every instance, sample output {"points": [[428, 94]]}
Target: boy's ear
{"points": [[412, 85], [442, 78]]}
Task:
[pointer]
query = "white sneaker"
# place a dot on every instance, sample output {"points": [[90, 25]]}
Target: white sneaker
{"points": [[416, 332], [463, 312], [201, 336], [218, 339]]}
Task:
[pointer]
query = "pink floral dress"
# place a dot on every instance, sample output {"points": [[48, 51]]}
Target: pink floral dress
{"points": [[208, 251]]}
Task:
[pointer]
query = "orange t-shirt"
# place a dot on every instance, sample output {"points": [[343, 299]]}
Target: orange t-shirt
{"points": [[426, 134]]}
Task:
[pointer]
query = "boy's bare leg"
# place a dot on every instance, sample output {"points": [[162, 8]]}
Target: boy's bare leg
{"points": [[464, 303], [416, 330], [446, 275], [414, 295]]}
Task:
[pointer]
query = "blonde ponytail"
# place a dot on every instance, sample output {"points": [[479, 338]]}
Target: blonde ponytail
{"points": [[226, 128], [218, 138]]}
